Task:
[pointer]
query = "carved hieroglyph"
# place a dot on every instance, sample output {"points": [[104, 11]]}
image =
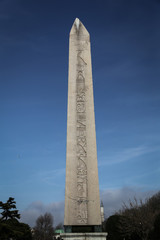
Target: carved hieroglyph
{"points": [[82, 204]]}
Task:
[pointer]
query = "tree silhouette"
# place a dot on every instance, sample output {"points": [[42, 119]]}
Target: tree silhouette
{"points": [[7, 212], [10, 227], [44, 227], [136, 220]]}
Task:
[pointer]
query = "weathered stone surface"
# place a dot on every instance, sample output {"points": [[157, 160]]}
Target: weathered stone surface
{"points": [[83, 236], [82, 203]]}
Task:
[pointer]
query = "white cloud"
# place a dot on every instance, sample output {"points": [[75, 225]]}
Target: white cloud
{"points": [[35, 209], [113, 199]]}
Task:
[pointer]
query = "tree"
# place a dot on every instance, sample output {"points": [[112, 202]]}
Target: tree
{"points": [[59, 226], [10, 227], [155, 233], [7, 212], [138, 218], [44, 227], [111, 226]]}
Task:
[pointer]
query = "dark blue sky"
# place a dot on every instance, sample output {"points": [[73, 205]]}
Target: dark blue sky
{"points": [[34, 37]]}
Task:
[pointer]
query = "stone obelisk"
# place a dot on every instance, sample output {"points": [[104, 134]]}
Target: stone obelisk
{"points": [[82, 202]]}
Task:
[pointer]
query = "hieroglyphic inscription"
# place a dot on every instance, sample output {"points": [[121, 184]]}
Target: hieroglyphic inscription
{"points": [[81, 142]]}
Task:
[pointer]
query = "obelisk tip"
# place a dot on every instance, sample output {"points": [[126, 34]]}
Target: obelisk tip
{"points": [[78, 28], [77, 22]]}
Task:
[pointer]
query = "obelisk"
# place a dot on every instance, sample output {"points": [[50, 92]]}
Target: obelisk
{"points": [[82, 202]]}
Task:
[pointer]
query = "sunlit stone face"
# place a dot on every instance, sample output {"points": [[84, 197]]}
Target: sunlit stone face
{"points": [[82, 204]]}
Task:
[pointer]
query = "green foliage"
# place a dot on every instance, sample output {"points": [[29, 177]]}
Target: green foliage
{"points": [[10, 227], [111, 227], [7, 212]]}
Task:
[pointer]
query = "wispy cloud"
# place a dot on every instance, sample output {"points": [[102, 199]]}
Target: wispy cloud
{"points": [[126, 155], [49, 176]]}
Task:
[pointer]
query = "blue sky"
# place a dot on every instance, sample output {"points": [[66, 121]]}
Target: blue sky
{"points": [[34, 39]]}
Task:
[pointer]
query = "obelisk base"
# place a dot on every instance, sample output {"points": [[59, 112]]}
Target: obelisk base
{"points": [[84, 236], [83, 229]]}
